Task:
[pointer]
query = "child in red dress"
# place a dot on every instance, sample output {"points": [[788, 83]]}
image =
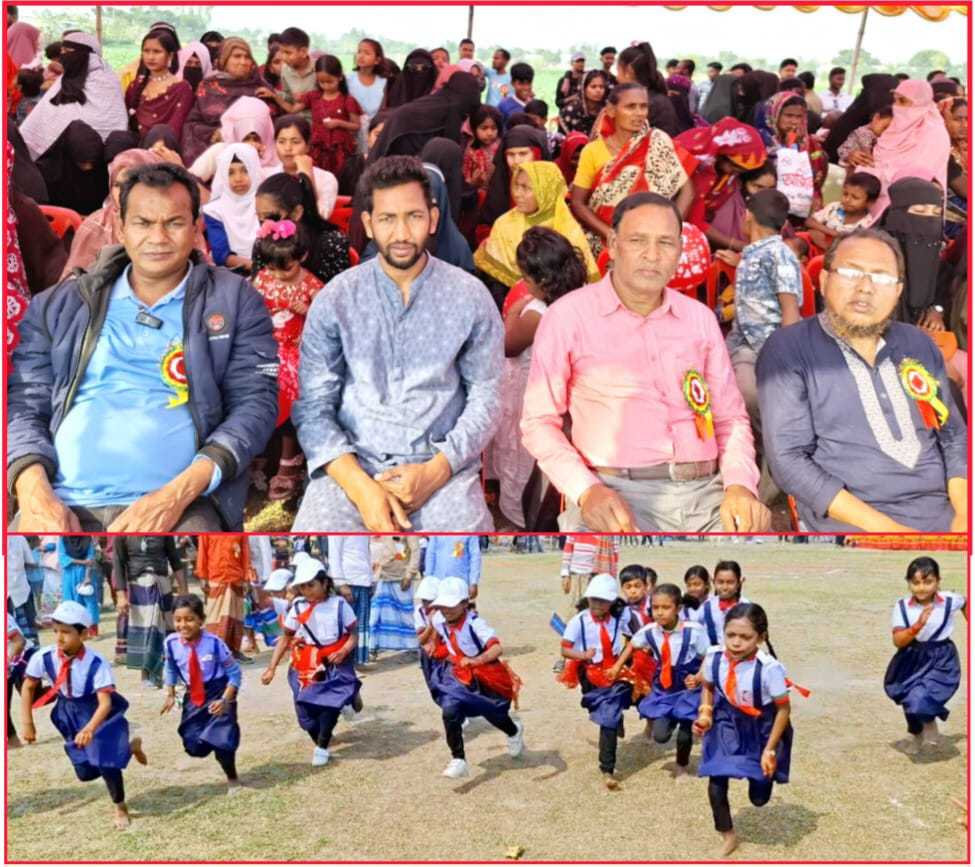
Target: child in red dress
{"points": [[288, 291], [334, 116]]}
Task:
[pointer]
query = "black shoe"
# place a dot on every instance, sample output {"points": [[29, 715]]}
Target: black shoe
{"points": [[246, 660]]}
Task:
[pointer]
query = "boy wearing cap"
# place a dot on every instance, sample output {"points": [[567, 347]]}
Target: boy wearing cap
{"points": [[320, 630], [432, 651], [571, 83], [592, 642], [88, 712], [474, 681]]}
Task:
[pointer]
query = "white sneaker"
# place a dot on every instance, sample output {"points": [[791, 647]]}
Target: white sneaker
{"points": [[319, 757], [348, 713], [456, 769], [516, 743]]}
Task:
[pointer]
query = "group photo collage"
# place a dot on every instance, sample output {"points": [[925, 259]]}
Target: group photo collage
{"points": [[474, 433]]}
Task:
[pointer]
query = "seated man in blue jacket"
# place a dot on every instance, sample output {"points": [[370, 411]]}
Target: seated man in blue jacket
{"points": [[141, 390]]}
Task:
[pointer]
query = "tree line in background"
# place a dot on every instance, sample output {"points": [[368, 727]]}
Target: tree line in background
{"points": [[124, 27]]}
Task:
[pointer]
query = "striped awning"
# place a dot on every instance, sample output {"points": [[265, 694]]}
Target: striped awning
{"points": [[929, 13]]}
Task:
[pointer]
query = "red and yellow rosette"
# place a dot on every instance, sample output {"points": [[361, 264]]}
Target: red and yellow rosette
{"points": [[173, 370], [698, 398], [922, 387]]}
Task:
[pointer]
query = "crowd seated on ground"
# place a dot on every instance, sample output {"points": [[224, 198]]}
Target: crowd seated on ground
{"points": [[383, 297]]}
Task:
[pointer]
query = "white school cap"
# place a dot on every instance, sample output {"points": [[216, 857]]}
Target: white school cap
{"points": [[71, 613], [308, 569], [602, 586], [299, 556], [452, 591], [428, 588], [278, 580]]}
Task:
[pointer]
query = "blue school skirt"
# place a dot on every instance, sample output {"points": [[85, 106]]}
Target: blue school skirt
{"points": [[606, 704], [432, 672], [678, 702], [338, 689], [733, 745], [109, 747], [468, 701], [923, 676], [201, 732]]}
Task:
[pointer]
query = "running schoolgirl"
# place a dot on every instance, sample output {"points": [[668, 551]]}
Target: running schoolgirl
{"points": [[727, 593], [924, 673], [207, 667], [697, 583], [320, 629], [88, 712]]}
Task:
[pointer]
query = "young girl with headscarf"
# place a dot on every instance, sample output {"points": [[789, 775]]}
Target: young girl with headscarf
{"points": [[230, 217]]}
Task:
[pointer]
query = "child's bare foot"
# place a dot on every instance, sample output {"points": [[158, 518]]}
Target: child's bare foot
{"points": [[13, 742], [137, 752], [234, 787], [122, 820], [648, 730], [930, 734], [680, 772], [612, 783], [729, 842], [914, 744]]}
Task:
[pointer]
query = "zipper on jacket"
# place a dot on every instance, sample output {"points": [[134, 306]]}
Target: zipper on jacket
{"points": [[197, 426], [87, 350]]}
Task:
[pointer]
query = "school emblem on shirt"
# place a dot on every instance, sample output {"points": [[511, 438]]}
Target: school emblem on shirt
{"points": [[216, 323], [698, 398], [922, 387], [173, 370]]}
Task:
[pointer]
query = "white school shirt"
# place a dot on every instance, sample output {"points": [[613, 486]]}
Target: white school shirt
{"points": [[14, 629], [473, 637], [699, 643], [932, 629], [713, 604], [330, 620], [420, 618], [281, 606], [19, 555], [583, 632], [773, 676], [349, 560], [75, 684]]}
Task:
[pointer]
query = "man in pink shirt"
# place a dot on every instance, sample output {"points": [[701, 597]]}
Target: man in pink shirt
{"points": [[23, 39], [660, 435]]}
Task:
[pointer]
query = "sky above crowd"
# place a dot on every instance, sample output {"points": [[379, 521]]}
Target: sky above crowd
{"points": [[821, 34]]}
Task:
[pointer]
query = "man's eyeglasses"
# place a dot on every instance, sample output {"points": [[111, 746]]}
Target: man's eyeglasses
{"points": [[877, 278]]}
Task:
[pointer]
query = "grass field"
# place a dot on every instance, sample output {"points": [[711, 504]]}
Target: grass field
{"points": [[853, 794]]}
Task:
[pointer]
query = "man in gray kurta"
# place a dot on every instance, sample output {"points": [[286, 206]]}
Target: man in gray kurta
{"points": [[401, 365]]}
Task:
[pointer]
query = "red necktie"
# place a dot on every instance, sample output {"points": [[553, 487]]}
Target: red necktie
{"points": [[731, 689], [666, 670], [59, 681], [607, 645], [198, 693]]}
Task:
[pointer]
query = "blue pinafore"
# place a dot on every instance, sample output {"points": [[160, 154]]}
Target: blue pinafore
{"points": [[678, 702], [606, 704], [109, 747], [733, 745], [467, 701], [923, 676], [200, 731]]}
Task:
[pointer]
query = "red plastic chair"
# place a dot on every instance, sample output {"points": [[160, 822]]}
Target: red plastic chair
{"points": [[814, 248], [715, 272], [808, 306], [61, 219], [342, 213]]}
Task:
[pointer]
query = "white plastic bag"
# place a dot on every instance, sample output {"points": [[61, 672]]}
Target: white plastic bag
{"points": [[795, 180]]}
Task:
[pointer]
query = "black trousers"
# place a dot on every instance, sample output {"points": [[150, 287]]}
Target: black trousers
{"points": [[228, 762], [607, 748], [663, 728], [916, 723], [453, 723], [326, 725], [759, 793], [115, 784]]}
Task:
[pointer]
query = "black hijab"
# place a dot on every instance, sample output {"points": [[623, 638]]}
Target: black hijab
{"points": [[755, 88], [920, 239], [876, 93], [417, 79], [76, 547], [118, 141], [26, 177], [75, 64], [721, 99], [447, 156], [70, 186], [498, 199], [441, 114]]}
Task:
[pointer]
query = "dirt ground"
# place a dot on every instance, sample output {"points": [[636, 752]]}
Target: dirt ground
{"points": [[854, 794]]}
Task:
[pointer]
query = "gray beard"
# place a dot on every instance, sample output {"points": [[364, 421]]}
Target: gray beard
{"points": [[848, 331]]}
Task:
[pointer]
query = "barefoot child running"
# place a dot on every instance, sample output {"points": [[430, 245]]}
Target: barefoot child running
{"points": [[924, 673], [88, 712], [475, 681], [321, 631], [207, 666], [592, 642], [743, 717], [677, 649]]}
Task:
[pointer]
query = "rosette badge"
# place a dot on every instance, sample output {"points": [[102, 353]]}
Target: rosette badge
{"points": [[698, 398], [922, 387]]}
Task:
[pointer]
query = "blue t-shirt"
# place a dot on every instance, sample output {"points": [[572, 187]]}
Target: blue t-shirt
{"points": [[129, 430], [495, 82]]}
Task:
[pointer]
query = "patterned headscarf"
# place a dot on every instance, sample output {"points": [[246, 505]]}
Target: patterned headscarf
{"points": [[728, 138]]}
